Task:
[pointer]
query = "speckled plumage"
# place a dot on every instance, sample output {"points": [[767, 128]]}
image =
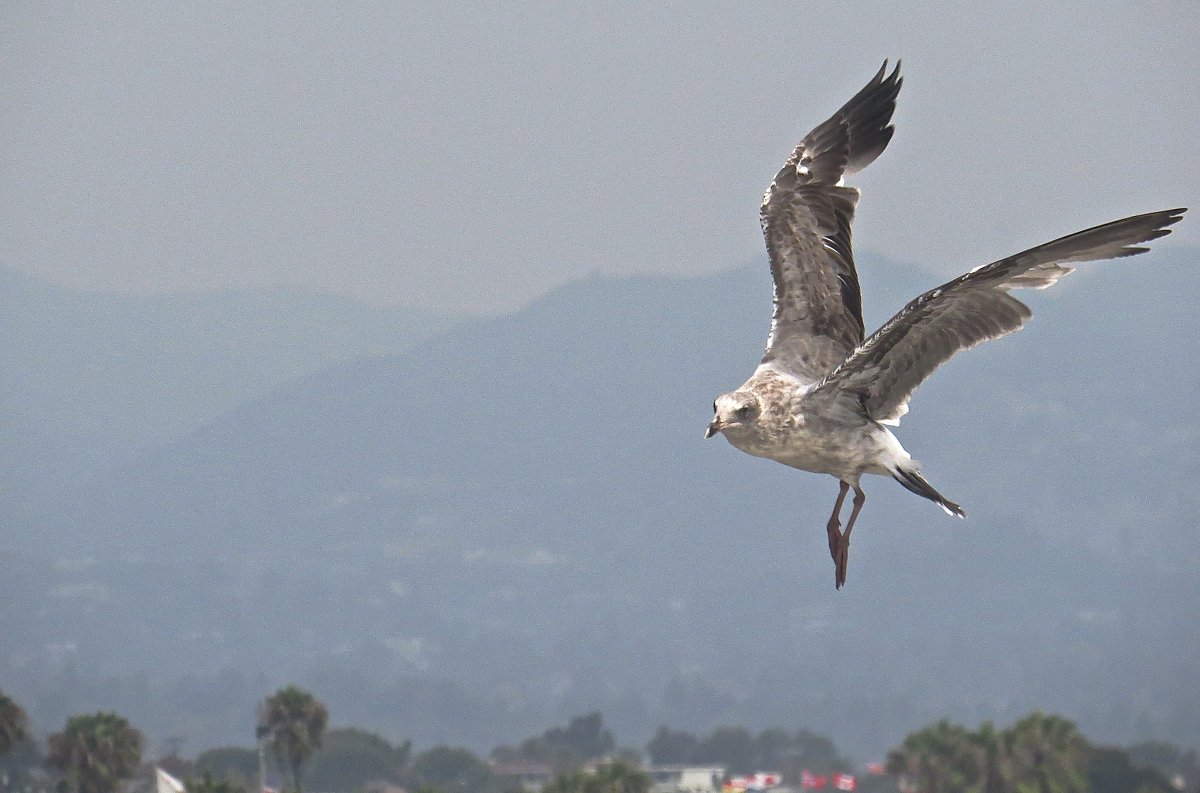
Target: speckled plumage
{"points": [[822, 393]]}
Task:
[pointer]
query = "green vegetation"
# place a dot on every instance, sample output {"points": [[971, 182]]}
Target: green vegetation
{"points": [[230, 763], [1112, 770], [96, 752], [206, 784], [1040, 753], [937, 759], [352, 759], [347, 760], [14, 724], [563, 748], [448, 769], [292, 722], [1170, 761], [20, 759], [616, 777], [742, 752]]}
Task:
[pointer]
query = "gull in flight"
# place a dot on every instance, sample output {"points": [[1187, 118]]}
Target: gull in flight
{"points": [[823, 392]]}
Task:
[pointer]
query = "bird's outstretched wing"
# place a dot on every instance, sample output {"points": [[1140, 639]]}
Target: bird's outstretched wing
{"points": [[884, 370], [806, 215]]}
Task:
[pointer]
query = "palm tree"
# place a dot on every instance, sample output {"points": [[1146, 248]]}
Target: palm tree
{"points": [[292, 721], [14, 724], [938, 759], [96, 752], [1048, 755], [994, 756]]}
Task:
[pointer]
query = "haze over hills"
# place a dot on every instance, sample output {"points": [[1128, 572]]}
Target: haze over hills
{"points": [[92, 379], [518, 520]]}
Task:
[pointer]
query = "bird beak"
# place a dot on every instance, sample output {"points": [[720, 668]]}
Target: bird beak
{"points": [[713, 428]]}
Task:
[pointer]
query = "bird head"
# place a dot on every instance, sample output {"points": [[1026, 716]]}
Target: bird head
{"points": [[733, 411]]}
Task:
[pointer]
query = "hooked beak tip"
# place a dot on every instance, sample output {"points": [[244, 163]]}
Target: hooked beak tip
{"points": [[712, 430]]}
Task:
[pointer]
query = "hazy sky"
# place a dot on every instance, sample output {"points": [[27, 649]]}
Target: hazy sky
{"points": [[472, 156]]}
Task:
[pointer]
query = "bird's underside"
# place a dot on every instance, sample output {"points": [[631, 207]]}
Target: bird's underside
{"points": [[823, 392]]}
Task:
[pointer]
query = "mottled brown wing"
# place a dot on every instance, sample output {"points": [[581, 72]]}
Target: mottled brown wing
{"points": [[883, 372], [806, 216]]}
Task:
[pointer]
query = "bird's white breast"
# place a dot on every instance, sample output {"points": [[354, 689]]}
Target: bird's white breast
{"points": [[800, 435]]}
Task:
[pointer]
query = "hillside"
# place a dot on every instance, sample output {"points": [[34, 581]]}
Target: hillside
{"points": [[93, 379], [519, 520]]}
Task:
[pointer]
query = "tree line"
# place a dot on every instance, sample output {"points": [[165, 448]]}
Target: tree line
{"points": [[1041, 753]]}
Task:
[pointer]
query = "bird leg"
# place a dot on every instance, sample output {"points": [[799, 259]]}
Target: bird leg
{"points": [[833, 527], [842, 558]]}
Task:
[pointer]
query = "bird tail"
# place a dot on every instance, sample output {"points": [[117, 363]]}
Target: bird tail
{"points": [[910, 477]]}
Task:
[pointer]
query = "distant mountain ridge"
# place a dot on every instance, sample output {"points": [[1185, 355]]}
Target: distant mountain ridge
{"points": [[92, 379], [518, 520]]}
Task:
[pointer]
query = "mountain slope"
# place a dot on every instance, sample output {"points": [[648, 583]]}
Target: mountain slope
{"points": [[519, 519], [92, 379]]}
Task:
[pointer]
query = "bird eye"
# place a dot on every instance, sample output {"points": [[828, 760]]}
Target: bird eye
{"points": [[714, 406]]}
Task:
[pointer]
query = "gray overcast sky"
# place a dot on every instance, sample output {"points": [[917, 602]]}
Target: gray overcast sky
{"points": [[472, 156]]}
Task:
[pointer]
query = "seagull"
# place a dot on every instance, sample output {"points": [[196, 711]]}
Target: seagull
{"points": [[823, 395]]}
